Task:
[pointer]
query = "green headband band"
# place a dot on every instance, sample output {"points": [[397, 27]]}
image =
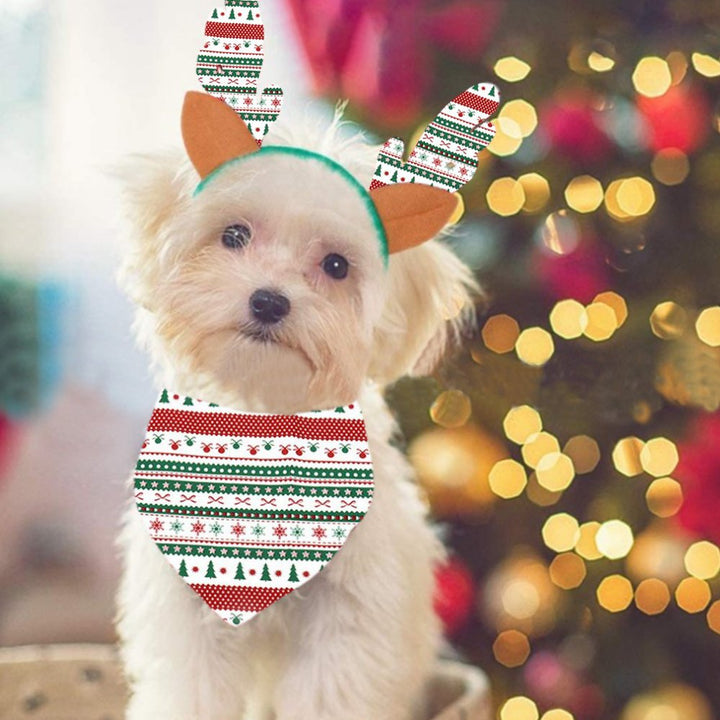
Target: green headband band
{"points": [[327, 162]]}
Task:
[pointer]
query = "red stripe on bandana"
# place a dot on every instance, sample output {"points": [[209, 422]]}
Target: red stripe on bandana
{"points": [[234, 424], [237, 31], [245, 599]]}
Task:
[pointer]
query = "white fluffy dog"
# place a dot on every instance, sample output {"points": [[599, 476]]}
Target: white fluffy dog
{"points": [[357, 641]]}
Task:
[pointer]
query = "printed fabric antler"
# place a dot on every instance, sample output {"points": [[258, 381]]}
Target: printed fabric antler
{"points": [[447, 152], [230, 62], [414, 199]]}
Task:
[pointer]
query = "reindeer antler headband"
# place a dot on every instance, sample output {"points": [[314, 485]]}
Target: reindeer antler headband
{"points": [[413, 200]]}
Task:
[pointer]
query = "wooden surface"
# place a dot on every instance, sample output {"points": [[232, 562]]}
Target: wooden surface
{"points": [[84, 682]]}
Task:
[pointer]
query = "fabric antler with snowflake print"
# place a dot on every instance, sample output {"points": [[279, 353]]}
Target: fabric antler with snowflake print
{"points": [[230, 62]]}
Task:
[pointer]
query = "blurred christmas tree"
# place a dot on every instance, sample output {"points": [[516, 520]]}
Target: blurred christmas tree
{"points": [[573, 448]]}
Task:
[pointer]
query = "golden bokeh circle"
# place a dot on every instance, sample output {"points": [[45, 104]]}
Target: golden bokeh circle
{"points": [[707, 326], [626, 456], [586, 546], [713, 617], [702, 560], [521, 422], [614, 593], [584, 194], [706, 64], [507, 478], [560, 532], [568, 319], [535, 346], [614, 539], [511, 648], [692, 595], [668, 320], [584, 453], [505, 196], [652, 596], [616, 302], [555, 471], [523, 113], [601, 322], [567, 571], [500, 333], [670, 166], [537, 446], [652, 77], [537, 191], [451, 409], [659, 456], [557, 714], [519, 708], [664, 497], [511, 69]]}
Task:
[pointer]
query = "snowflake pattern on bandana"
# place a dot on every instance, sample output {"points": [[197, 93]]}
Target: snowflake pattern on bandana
{"points": [[246, 507]]}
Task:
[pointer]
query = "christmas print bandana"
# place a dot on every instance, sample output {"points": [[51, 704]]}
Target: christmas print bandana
{"points": [[247, 507]]}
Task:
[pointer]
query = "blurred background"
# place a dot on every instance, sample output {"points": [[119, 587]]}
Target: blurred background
{"points": [[570, 452]]}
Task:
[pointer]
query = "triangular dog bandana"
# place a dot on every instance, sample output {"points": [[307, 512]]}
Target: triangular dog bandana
{"points": [[247, 507]]}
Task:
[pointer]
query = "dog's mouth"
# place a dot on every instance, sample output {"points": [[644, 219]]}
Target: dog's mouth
{"points": [[259, 333]]}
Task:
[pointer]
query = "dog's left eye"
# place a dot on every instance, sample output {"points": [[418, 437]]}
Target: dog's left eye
{"points": [[336, 266], [236, 236]]}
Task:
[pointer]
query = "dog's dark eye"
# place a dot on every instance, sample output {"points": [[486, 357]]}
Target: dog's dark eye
{"points": [[336, 266], [236, 236]]}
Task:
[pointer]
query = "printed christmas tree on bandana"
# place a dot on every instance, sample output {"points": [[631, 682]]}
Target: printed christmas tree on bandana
{"points": [[230, 63], [246, 507]]}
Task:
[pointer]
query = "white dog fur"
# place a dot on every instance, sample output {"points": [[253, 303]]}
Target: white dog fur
{"points": [[357, 641]]}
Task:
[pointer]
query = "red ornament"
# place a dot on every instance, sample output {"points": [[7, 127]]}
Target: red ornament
{"points": [[699, 473], [678, 119], [454, 594], [381, 54], [580, 274], [573, 127]]}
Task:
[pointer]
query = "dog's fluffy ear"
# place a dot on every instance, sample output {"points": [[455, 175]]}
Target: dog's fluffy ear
{"points": [[155, 188], [430, 304]]}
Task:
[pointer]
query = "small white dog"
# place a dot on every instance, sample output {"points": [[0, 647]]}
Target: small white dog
{"points": [[358, 640]]}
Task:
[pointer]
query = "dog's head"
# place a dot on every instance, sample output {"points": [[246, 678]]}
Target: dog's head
{"points": [[280, 281]]}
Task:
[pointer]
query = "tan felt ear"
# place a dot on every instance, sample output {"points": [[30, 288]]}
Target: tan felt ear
{"points": [[412, 213], [213, 132]]}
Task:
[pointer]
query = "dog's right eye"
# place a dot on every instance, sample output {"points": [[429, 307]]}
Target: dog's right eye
{"points": [[236, 236]]}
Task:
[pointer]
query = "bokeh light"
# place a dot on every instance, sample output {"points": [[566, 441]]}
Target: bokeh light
{"points": [[555, 471], [584, 453], [537, 191], [664, 497], [584, 194], [702, 560], [668, 320], [659, 456], [559, 233], [713, 617], [692, 595], [500, 333], [707, 326], [652, 77], [511, 69], [537, 446], [535, 346], [586, 545], [508, 478], [511, 648], [560, 532], [568, 319], [706, 65], [652, 596], [523, 113], [521, 422], [519, 708], [629, 198], [505, 196], [451, 409], [670, 166], [614, 539], [601, 322], [508, 137], [626, 456], [616, 302], [568, 571], [557, 714], [614, 593]]}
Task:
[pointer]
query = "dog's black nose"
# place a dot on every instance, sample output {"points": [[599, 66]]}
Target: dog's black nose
{"points": [[268, 306]]}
